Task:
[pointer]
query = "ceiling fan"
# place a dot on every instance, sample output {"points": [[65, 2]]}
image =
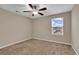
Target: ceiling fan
{"points": [[35, 10]]}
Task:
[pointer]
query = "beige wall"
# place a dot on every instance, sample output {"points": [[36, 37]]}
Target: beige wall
{"points": [[42, 29], [13, 28], [75, 28]]}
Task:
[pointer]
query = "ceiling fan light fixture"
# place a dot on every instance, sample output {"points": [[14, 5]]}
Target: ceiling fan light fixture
{"points": [[35, 12]]}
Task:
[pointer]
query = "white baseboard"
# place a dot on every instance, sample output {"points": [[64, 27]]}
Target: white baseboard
{"points": [[13, 43], [53, 41], [75, 50]]}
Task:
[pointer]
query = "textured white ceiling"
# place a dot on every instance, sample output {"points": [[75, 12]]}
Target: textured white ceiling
{"points": [[51, 9]]}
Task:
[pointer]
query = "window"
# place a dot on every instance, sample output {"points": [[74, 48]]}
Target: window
{"points": [[57, 26]]}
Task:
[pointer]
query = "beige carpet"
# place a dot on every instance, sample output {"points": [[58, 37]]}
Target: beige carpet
{"points": [[37, 47]]}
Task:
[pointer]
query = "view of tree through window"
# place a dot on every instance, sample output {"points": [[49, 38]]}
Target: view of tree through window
{"points": [[57, 26]]}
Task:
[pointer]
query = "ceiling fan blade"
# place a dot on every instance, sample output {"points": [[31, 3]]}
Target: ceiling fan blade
{"points": [[35, 7], [40, 13], [27, 11], [31, 6], [42, 9]]}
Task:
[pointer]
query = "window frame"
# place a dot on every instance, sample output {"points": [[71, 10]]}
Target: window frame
{"points": [[61, 26]]}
